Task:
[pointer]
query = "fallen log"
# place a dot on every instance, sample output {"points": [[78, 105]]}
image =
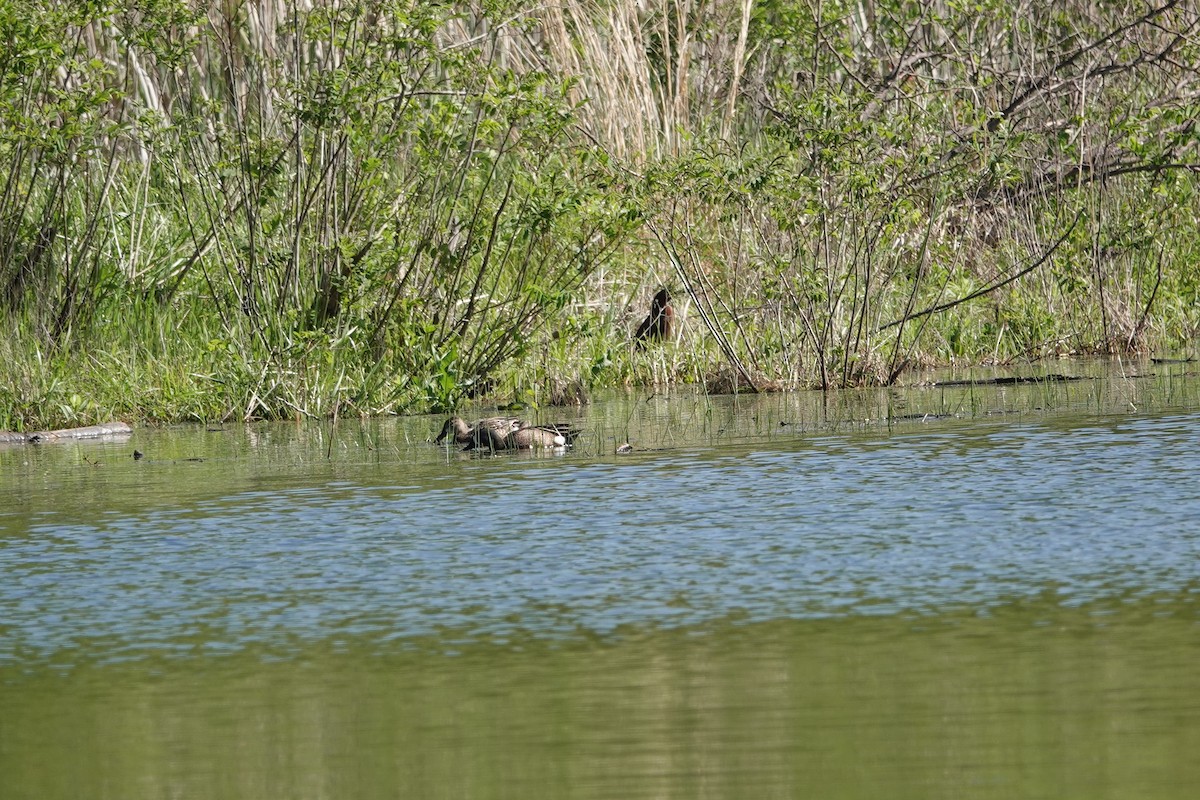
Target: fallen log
{"points": [[67, 434], [1052, 377]]}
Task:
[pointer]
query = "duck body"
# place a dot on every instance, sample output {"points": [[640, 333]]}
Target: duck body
{"points": [[480, 433], [556, 434]]}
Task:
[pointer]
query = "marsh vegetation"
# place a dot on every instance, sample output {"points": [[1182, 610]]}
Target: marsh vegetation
{"points": [[289, 209]]}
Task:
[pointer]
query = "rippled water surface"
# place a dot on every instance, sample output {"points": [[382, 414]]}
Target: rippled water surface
{"points": [[938, 591]]}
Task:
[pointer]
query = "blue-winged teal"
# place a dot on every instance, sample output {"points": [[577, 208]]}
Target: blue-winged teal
{"points": [[479, 434], [507, 433], [557, 434], [659, 324]]}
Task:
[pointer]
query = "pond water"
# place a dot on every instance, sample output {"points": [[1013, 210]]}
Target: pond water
{"points": [[948, 591]]}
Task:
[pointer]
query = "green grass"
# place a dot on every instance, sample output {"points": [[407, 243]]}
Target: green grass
{"points": [[370, 209]]}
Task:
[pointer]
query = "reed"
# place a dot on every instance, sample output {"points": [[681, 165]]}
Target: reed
{"points": [[290, 209]]}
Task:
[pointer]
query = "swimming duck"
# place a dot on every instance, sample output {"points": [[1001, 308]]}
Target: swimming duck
{"points": [[526, 437], [478, 435], [659, 324], [508, 433]]}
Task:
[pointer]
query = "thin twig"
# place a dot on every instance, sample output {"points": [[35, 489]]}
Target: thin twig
{"points": [[988, 289]]}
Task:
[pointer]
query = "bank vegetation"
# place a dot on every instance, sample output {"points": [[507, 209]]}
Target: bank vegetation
{"points": [[315, 208]]}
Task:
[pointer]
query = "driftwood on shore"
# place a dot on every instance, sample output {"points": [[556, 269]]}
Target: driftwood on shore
{"points": [[65, 434]]}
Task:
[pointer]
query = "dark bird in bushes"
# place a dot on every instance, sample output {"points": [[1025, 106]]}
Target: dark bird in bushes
{"points": [[659, 324]]}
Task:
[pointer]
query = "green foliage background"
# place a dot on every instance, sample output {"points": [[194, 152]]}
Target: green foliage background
{"points": [[289, 209]]}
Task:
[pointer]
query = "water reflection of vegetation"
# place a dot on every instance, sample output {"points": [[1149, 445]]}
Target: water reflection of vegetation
{"points": [[245, 456], [1033, 699]]}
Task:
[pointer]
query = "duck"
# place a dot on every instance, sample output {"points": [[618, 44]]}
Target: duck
{"points": [[478, 434], [659, 324], [568, 433], [508, 433], [533, 437]]}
